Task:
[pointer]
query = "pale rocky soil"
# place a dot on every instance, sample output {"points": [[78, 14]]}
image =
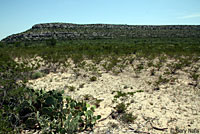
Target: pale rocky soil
{"points": [[159, 108]]}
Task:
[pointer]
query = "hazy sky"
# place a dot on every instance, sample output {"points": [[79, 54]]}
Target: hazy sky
{"points": [[19, 15]]}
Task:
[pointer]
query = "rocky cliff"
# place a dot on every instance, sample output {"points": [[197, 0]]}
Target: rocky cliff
{"points": [[68, 31]]}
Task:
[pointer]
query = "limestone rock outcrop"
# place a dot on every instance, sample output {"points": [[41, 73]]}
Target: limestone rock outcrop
{"points": [[69, 31]]}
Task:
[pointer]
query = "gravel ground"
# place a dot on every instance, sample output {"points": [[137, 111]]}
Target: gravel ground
{"points": [[167, 103]]}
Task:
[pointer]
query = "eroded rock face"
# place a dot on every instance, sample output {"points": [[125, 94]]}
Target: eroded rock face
{"points": [[68, 31]]}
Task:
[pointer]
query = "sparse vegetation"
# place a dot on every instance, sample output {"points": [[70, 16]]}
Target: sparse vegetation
{"points": [[194, 76], [161, 80], [120, 108], [128, 118], [23, 108], [71, 88], [123, 94]]}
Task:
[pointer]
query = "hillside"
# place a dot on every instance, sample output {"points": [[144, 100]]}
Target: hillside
{"points": [[69, 31]]}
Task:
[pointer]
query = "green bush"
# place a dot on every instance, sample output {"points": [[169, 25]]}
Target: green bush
{"points": [[194, 76], [11, 72], [36, 75]]}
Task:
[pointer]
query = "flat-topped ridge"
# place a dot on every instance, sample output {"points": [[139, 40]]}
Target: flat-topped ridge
{"points": [[69, 31]]}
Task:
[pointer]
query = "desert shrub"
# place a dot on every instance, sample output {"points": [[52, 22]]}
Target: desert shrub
{"points": [[71, 88], [194, 76], [120, 108], [128, 118], [37, 75], [123, 94], [93, 78], [120, 94], [10, 73], [93, 49]]}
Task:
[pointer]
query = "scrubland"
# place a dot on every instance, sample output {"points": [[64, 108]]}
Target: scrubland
{"points": [[146, 85]]}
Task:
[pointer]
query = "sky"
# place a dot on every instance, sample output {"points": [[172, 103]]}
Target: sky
{"points": [[19, 15]]}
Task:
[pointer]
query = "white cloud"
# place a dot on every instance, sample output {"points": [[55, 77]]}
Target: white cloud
{"points": [[190, 16]]}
